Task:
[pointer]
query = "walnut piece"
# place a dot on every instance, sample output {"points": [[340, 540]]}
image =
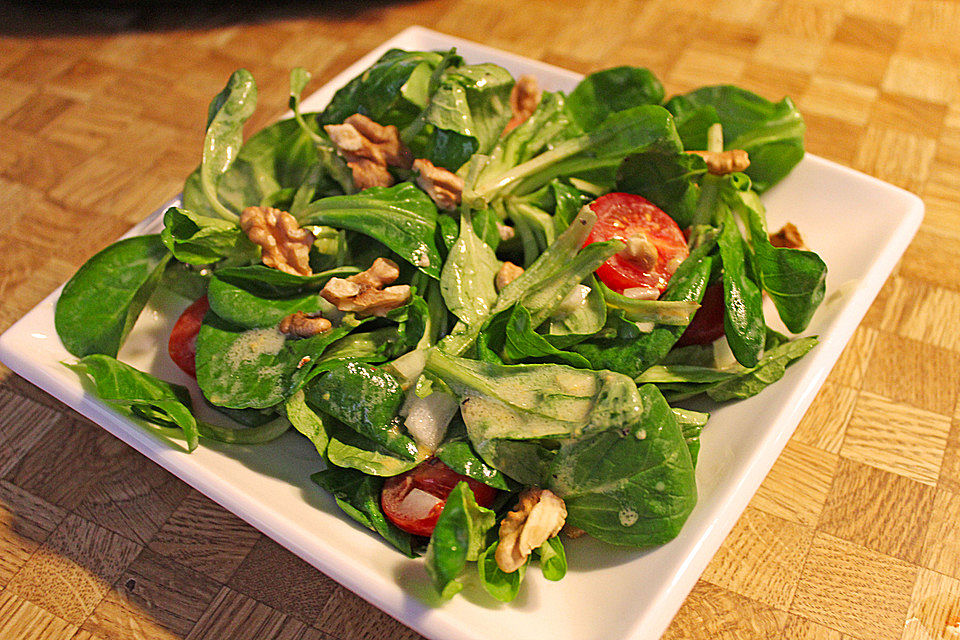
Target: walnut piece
{"points": [[507, 274], [444, 187], [284, 245], [369, 148], [365, 293], [721, 163], [524, 98], [788, 237], [538, 516], [385, 138], [304, 325], [641, 251]]}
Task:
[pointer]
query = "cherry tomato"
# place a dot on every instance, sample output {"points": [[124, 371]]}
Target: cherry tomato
{"points": [[707, 323], [182, 346], [656, 246], [413, 500]]}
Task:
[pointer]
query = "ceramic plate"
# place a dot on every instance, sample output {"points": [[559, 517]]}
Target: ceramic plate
{"points": [[859, 225]]}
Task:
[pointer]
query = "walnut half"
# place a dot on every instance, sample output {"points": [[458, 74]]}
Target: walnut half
{"points": [[788, 237], [284, 245], [365, 293], [538, 516], [444, 187], [369, 148], [723, 162], [303, 325]]}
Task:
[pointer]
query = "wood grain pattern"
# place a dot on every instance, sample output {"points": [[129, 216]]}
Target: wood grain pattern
{"points": [[853, 535]]}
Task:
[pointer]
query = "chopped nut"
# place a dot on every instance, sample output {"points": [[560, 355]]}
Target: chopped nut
{"points": [[444, 187], [365, 293], [367, 173], [788, 237], [507, 274], [524, 98], [285, 246], [538, 516], [723, 162], [381, 273], [304, 325], [386, 139], [641, 251], [369, 148], [506, 232]]}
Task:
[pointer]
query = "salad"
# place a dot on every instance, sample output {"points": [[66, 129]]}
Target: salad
{"points": [[484, 304]]}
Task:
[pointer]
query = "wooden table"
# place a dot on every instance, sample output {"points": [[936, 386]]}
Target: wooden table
{"points": [[855, 532]]}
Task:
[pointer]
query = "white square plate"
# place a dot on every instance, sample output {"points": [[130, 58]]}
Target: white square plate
{"points": [[859, 225]]}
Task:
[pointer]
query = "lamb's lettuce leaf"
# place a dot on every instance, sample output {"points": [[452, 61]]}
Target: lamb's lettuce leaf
{"points": [[457, 538], [770, 132], [101, 302]]}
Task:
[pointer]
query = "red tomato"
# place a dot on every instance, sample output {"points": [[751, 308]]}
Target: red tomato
{"points": [[413, 500], [182, 346], [659, 245], [707, 323]]}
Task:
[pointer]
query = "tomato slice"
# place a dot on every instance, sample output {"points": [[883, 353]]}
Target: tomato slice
{"points": [[656, 246], [413, 500], [707, 323], [182, 346]]}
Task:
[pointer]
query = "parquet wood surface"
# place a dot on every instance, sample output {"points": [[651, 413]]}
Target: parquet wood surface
{"points": [[854, 534]]}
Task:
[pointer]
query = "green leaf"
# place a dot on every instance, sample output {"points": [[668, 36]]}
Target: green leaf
{"points": [[140, 394], [243, 309], [794, 278], [633, 485], [565, 329], [467, 113], [622, 134], [101, 302], [198, 239], [548, 124], [609, 91], [457, 453], [364, 457], [458, 537], [391, 91], [306, 421], [743, 302], [359, 496], [533, 401], [667, 179], [466, 281], [770, 132], [770, 369], [279, 158], [367, 400], [553, 559], [240, 368], [402, 217], [267, 282], [499, 584], [667, 312], [228, 112]]}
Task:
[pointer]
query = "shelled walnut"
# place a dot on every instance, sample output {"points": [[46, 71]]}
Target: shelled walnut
{"points": [[788, 237], [444, 187], [369, 148], [507, 274], [284, 245], [304, 325], [721, 163], [365, 293], [538, 516], [524, 98]]}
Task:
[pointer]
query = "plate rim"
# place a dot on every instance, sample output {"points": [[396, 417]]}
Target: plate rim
{"points": [[370, 585]]}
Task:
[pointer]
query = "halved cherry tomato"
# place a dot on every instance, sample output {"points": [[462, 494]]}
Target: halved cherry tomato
{"points": [[182, 346], [623, 216], [707, 323], [413, 500]]}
